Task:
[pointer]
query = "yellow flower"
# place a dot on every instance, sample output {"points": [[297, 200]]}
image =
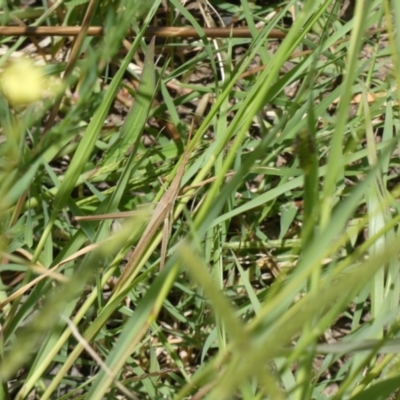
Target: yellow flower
{"points": [[22, 82]]}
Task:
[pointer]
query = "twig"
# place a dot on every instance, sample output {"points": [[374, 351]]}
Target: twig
{"points": [[161, 32]]}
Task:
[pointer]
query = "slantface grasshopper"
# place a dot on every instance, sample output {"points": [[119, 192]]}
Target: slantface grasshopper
{"points": [[160, 215]]}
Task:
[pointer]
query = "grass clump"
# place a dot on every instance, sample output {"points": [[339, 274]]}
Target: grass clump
{"points": [[281, 277]]}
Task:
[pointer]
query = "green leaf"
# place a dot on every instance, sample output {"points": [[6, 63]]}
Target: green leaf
{"points": [[380, 391]]}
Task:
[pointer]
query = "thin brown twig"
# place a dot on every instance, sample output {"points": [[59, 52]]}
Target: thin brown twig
{"points": [[158, 31], [161, 32]]}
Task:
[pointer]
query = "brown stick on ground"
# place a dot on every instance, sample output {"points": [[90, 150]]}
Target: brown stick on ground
{"points": [[164, 32]]}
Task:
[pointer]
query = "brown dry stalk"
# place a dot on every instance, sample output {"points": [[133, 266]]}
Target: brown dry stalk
{"points": [[158, 31], [163, 32]]}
